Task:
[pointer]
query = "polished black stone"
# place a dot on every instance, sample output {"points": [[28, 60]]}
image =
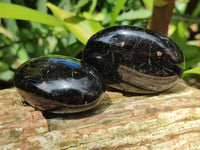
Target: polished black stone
{"points": [[58, 84], [134, 59]]}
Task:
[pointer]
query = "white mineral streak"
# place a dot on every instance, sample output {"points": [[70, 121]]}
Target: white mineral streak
{"points": [[49, 140], [56, 120], [9, 146], [40, 130], [146, 83]]}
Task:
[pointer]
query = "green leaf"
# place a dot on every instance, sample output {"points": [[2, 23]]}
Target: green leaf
{"points": [[29, 47], [196, 10], [3, 66], [193, 42], [41, 6], [136, 14], [118, 6], [93, 6], [5, 40], [191, 53], [185, 18], [72, 50], [6, 75], [195, 70], [148, 3], [83, 29], [1, 53], [23, 13], [93, 16], [52, 44], [22, 54], [25, 34], [12, 27], [181, 6], [80, 3]]}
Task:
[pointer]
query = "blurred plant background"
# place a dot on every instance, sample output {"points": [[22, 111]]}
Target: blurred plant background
{"points": [[69, 23]]}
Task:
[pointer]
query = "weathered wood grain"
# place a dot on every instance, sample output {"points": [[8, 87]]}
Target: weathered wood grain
{"points": [[170, 120]]}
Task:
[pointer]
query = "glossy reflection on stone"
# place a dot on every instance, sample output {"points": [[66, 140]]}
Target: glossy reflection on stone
{"points": [[135, 59], [58, 84]]}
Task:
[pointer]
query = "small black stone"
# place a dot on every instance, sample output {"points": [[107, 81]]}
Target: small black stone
{"points": [[58, 84], [135, 59]]}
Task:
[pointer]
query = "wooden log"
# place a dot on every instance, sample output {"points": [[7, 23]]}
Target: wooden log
{"points": [[169, 120]]}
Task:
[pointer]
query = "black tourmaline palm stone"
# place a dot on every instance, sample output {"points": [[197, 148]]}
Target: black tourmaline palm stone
{"points": [[58, 84], [135, 59]]}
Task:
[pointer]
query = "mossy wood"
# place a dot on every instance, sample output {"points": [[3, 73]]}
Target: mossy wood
{"points": [[170, 120]]}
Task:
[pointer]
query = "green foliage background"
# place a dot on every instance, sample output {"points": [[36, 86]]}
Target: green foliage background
{"points": [[64, 26]]}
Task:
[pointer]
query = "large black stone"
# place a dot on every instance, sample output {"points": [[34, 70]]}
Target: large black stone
{"points": [[58, 84], [134, 59]]}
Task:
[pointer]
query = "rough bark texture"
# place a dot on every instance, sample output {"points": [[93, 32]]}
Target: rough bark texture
{"points": [[170, 120]]}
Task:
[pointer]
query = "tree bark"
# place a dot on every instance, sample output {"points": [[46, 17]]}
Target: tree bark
{"points": [[169, 120], [162, 12]]}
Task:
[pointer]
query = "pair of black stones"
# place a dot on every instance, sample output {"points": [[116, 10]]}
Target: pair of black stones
{"points": [[127, 58]]}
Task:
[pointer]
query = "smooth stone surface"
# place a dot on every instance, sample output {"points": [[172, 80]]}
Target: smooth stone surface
{"points": [[58, 84], [135, 59]]}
